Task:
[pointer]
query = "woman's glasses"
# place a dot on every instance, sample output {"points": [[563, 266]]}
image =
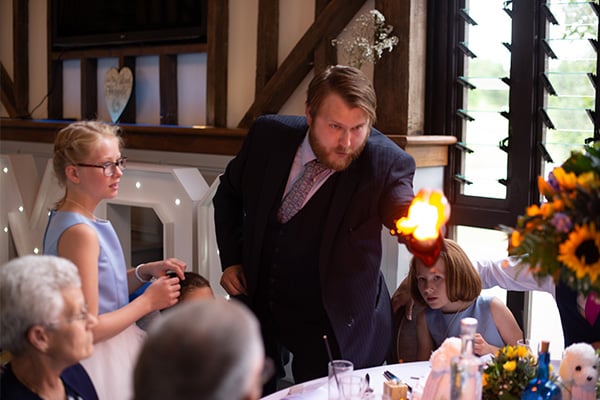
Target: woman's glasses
{"points": [[108, 168], [82, 315]]}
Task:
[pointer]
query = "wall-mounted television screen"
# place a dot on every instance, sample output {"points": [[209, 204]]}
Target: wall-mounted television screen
{"points": [[96, 23]]}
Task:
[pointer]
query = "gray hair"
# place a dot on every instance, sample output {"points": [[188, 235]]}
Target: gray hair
{"points": [[30, 294], [203, 349]]}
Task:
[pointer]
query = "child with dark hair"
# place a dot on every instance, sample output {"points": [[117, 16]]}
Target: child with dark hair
{"points": [[195, 286]]}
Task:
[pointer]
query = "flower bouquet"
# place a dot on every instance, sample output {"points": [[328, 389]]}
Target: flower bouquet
{"points": [[561, 237], [507, 374]]}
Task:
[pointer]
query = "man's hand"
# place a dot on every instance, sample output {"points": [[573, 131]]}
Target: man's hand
{"points": [[233, 280]]}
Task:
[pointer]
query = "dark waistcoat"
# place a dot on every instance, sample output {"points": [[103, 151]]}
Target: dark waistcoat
{"points": [[289, 285]]}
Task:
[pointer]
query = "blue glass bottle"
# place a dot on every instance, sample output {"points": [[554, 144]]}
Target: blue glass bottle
{"points": [[541, 387]]}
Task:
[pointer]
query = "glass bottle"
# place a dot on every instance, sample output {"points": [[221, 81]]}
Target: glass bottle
{"points": [[541, 387], [466, 368]]}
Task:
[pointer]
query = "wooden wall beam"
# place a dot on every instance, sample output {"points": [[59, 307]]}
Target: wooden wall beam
{"points": [[89, 88], [21, 57], [399, 77], [297, 64], [55, 89], [129, 113], [428, 150], [216, 65], [325, 54], [267, 42], [168, 89]]}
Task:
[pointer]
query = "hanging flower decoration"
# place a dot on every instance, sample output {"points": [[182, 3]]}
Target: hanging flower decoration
{"points": [[561, 237], [507, 374], [369, 37]]}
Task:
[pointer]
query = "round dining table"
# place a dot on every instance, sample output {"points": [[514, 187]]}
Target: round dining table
{"points": [[409, 373]]}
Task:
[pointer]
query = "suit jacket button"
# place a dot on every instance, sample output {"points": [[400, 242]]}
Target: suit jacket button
{"points": [[350, 322]]}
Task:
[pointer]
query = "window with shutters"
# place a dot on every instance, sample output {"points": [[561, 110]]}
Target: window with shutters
{"points": [[516, 83]]}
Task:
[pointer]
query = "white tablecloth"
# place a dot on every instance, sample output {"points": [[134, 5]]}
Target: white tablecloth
{"points": [[409, 373]]}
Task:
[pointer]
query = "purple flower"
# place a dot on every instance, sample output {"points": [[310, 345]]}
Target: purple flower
{"points": [[562, 222], [553, 182]]}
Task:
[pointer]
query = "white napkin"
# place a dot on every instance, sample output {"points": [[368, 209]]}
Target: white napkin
{"points": [[307, 392]]}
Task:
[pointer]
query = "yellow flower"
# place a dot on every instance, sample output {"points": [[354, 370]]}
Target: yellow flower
{"points": [[515, 238], [565, 180], [547, 209], [581, 251], [510, 366], [558, 205], [522, 351], [484, 379], [587, 179], [533, 210], [544, 187], [510, 352]]}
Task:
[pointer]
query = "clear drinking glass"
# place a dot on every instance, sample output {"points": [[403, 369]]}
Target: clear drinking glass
{"points": [[336, 370], [352, 387]]}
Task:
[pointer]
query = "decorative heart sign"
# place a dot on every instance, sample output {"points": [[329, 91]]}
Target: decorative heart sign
{"points": [[117, 91]]}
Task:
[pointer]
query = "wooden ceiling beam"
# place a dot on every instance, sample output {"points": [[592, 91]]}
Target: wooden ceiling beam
{"points": [[7, 92], [268, 40]]}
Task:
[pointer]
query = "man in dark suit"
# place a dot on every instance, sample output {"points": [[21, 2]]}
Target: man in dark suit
{"points": [[317, 273]]}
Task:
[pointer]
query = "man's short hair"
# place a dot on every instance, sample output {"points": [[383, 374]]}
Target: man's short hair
{"points": [[203, 349]]}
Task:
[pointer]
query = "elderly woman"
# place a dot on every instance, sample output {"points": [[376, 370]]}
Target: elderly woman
{"points": [[46, 327]]}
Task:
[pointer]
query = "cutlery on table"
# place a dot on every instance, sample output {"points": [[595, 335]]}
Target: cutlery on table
{"points": [[393, 378], [368, 380]]}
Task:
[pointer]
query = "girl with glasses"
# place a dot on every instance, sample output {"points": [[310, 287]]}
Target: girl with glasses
{"points": [[88, 162]]}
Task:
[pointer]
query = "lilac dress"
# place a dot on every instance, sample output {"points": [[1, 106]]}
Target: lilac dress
{"points": [[442, 326], [111, 365]]}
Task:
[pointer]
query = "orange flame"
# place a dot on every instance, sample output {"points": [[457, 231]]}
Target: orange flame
{"points": [[428, 212]]}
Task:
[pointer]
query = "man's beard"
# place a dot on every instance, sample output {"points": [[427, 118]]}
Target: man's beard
{"points": [[333, 162]]}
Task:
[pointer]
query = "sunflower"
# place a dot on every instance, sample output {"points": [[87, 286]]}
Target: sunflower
{"points": [[566, 180], [581, 252]]}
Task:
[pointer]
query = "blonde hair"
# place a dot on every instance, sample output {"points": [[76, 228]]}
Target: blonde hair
{"points": [[462, 280], [75, 142]]}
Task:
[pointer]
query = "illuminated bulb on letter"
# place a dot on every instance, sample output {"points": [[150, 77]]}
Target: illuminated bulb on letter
{"points": [[5, 170], [6, 229], [177, 202], [138, 184], [36, 250], [21, 208]]}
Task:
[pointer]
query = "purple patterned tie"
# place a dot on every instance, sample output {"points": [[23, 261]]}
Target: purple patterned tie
{"points": [[293, 201]]}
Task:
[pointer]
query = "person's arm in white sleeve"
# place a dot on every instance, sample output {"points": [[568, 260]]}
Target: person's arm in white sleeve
{"points": [[511, 274]]}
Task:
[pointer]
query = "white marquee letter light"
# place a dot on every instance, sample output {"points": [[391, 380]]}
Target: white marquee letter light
{"points": [[173, 193], [209, 264], [24, 204]]}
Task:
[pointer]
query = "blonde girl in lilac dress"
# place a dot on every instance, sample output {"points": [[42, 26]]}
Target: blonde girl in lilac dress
{"points": [[89, 164]]}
